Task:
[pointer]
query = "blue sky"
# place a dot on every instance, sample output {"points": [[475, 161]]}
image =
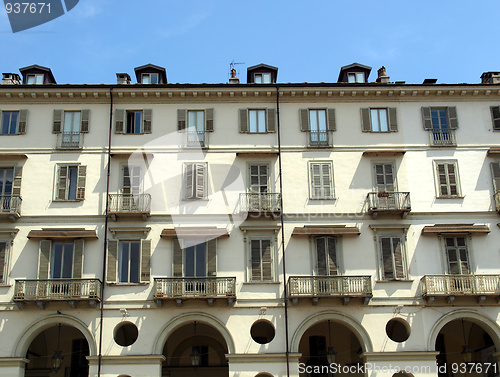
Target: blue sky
{"points": [[195, 40]]}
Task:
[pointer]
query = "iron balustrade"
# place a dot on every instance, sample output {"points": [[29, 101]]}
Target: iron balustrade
{"points": [[450, 285], [389, 201], [57, 289], [308, 286], [129, 203], [199, 287], [443, 137], [196, 139], [70, 140], [319, 138], [260, 202], [497, 200], [10, 204]]}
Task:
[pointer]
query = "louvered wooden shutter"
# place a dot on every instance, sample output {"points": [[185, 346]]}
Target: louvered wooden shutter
{"points": [[332, 257], [304, 120], [84, 121], [181, 119], [200, 181], [255, 260], [495, 170], [426, 118], [57, 121], [243, 120], [321, 256], [386, 254], [393, 119], [80, 190], [271, 120], [177, 259], [1, 120], [119, 121], [23, 121], [44, 258], [316, 181], [189, 180], [266, 260], [78, 258], [148, 121], [61, 182], [495, 115], [212, 258], [209, 120], [112, 266], [452, 116], [145, 261], [3, 259], [366, 125], [331, 123], [16, 186], [397, 247]]}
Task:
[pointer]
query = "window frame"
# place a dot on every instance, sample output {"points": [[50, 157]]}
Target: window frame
{"points": [[439, 195], [120, 261], [16, 126], [53, 256], [394, 175], [495, 118], [338, 255], [131, 187], [126, 125], [270, 178], [468, 246], [257, 120], [311, 178], [262, 75], [185, 244], [272, 240], [194, 182], [35, 76], [356, 77], [81, 171], [149, 76], [4, 281], [378, 110], [380, 256]]}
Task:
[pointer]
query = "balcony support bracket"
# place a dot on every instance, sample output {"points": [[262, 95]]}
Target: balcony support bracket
{"points": [[93, 303], [20, 305], [210, 302], [178, 302], [41, 304], [315, 300], [366, 300], [345, 300], [450, 299], [481, 299], [72, 304], [295, 301]]}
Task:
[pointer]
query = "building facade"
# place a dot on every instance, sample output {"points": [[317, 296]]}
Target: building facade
{"points": [[256, 229]]}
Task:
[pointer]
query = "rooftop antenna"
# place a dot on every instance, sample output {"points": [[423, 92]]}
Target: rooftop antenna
{"points": [[231, 67]]}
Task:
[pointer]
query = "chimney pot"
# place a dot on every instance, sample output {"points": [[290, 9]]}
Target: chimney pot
{"points": [[11, 79], [382, 76], [234, 79]]}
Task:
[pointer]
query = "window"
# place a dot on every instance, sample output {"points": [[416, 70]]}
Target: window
{"points": [[257, 120], [4, 261], [495, 171], [457, 255], [379, 119], [495, 115], [448, 185], [318, 123], [13, 122], [441, 122], [326, 256], [321, 180], [356, 77], [61, 260], [262, 78], [129, 261], [195, 178], [195, 258], [71, 123], [384, 180], [35, 79], [261, 259], [133, 122], [10, 189], [70, 182], [392, 258], [150, 78], [129, 257], [197, 120]]}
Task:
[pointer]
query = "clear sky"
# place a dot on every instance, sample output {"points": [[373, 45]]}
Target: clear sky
{"points": [[308, 40]]}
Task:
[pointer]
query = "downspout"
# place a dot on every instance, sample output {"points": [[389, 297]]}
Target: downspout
{"points": [[285, 287], [99, 364]]}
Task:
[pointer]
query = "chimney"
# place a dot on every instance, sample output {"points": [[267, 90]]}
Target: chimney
{"points": [[11, 79], [490, 78], [123, 79], [382, 76], [234, 79]]}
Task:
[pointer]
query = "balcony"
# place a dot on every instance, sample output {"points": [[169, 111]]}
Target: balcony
{"points": [[208, 288], [440, 138], [319, 139], [450, 286], [497, 200], [196, 139], [10, 207], [129, 205], [69, 290], [70, 140], [316, 287], [388, 203], [261, 204]]}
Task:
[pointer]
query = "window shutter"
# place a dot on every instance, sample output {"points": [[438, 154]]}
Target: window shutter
{"points": [[452, 179], [266, 260], [393, 119], [326, 183], [16, 186], [112, 261], [331, 125], [84, 121], [189, 181], [255, 260], [44, 258], [148, 119], [271, 120], [209, 120], [426, 118], [61, 183], [1, 120], [56, 127], [304, 120], [212, 258], [320, 255], [181, 119], [145, 261], [397, 246], [3, 251], [119, 122], [495, 170], [495, 114], [78, 258], [387, 265], [243, 120], [452, 116], [366, 125], [316, 181], [80, 190], [23, 121], [332, 257], [200, 181], [177, 259]]}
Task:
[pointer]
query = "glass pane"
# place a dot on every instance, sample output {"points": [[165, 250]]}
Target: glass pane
{"points": [[135, 258], [31, 79], [68, 122], [154, 78], [313, 120], [7, 184], [73, 176], [39, 79], [67, 272], [189, 262], [351, 77], [146, 79], [267, 78], [253, 120], [200, 126], [200, 259], [322, 120], [13, 122], [138, 122], [360, 77], [375, 122], [262, 121], [130, 122], [383, 120], [5, 122], [57, 260], [123, 263], [258, 79]]}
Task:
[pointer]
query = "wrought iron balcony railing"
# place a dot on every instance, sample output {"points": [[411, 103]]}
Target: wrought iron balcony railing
{"points": [[460, 285], [389, 202], [443, 137], [200, 287], [329, 286], [70, 140], [261, 202], [57, 290], [11, 205], [196, 139], [319, 138], [128, 203], [497, 200]]}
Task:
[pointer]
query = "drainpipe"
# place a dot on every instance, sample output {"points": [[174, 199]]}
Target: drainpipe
{"points": [[105, 232], [285, 287]]}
